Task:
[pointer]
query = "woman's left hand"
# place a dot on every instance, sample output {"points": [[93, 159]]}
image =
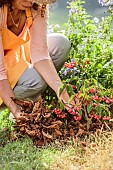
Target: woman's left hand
{"points": [[64, 98]]}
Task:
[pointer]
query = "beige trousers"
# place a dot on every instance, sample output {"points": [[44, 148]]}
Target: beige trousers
{"points": [[31, 84]]}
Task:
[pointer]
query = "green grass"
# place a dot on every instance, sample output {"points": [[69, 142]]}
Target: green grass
{"points": [[4, 119], [23, 155]]}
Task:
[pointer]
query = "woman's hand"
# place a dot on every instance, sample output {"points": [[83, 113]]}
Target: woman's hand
{"points": [[15, 117], [18, 115], [15, 110], [64, 97]]}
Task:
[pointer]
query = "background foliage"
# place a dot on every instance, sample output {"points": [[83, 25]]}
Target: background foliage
{"points": [[89, 69]]}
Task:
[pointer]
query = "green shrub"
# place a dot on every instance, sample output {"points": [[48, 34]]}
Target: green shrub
{"points": [[90, 65]]}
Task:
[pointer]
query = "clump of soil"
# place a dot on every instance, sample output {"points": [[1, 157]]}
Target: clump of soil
{"points": [[37, 122], [43, 127]]}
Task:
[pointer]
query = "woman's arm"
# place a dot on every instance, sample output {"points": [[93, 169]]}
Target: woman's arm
{"points": [[40, 55], [39, 51], [5, 89], [48, 72]]}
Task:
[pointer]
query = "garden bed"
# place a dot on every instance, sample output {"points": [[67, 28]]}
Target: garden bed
{"points": [[44, 126]]}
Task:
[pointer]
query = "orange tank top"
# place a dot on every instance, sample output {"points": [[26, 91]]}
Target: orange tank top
{"points": [[16, 49]]}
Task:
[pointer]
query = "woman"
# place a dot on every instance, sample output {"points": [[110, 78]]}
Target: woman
{"points": [[24, 40]]}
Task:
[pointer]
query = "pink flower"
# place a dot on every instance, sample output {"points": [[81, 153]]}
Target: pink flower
{"points": [[92, 90], [88, 62], [108, 101], [106, 118], [71, 111], [95, 97], [95, 104], [77, 108], [77, 118], [58, 111], [74, 87], [98, 117], [62, 116], [70, 65], [102, 99], [91, 116]]}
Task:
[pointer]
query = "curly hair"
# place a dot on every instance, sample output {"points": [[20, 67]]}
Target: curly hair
{"points": [[3, 2], [35, 6]]}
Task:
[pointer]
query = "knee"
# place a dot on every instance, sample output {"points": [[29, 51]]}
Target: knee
{"points": [[37, 83], [41, 84], [36, 88], [57, 43], [59, 47], [65, 41]]}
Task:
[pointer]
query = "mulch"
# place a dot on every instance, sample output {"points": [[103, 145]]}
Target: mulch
{"points": [[44, 127]]}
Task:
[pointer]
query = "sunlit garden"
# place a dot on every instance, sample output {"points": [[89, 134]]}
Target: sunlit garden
{"points": [[49, 137]]}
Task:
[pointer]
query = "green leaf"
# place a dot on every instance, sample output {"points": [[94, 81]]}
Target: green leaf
{"points": [[89, 108], [62, 107], [99, 109], [71, 98], [80, 111], [61, 88], [69, 90]]}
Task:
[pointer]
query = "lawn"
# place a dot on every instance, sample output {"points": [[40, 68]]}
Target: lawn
{"points": [[93, 153]]}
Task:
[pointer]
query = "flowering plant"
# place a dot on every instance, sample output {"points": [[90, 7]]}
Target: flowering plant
{"points": [[105, 2], [88, 72], [89, 69]]}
